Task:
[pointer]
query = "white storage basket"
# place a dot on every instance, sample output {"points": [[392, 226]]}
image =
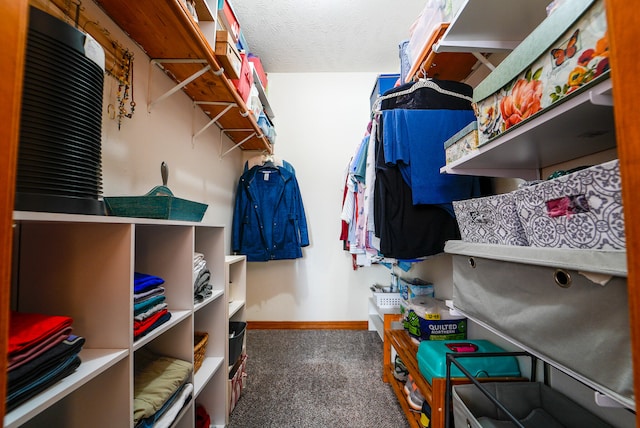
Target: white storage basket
{"points": [[387, 300]]}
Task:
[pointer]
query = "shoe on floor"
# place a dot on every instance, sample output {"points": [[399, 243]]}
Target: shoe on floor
{"points": [[400, 371], [425, 415], [415, 399], [409, 385]]}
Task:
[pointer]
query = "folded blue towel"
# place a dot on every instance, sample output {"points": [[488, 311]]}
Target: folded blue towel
{"points": [[143, 282]]}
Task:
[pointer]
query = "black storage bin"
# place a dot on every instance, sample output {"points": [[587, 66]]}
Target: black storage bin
{"points": [[236, 339]]}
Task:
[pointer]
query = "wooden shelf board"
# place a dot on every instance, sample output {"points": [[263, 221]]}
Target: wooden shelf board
{"points": [[447, 65], [167, 31]]}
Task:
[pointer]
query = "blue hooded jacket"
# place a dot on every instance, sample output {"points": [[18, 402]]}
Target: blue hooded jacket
{"points": [[269, 222]]}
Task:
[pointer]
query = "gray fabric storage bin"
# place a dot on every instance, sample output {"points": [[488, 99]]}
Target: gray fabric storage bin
{"points": [[534, 404], [490, 220], [578, 210], [581, 328]]}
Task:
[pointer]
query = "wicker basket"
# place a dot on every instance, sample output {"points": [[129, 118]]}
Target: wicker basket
{"points": [[200, 339]]}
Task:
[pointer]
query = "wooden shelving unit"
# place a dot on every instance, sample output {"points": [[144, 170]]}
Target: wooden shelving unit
{"points": [[434, 393], [171, 37]]}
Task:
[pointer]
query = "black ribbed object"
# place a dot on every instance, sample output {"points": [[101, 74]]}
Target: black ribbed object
{"points": [[60, 151]]}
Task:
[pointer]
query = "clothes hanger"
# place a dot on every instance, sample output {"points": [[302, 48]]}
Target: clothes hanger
{"points": [[421, 83], [268, 160]]}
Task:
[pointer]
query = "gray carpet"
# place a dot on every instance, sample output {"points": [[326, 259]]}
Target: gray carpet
{"points": [[315, 378]]}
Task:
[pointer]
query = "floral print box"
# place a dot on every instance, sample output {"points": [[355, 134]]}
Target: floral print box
{"points": [[567, 52]]}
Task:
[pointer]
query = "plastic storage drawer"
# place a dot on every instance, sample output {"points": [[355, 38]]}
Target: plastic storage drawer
{"points": [[432, 359]]}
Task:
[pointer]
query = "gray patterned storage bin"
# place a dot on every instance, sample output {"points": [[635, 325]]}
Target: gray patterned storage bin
{"points": [[490, 220], [579, 210]]}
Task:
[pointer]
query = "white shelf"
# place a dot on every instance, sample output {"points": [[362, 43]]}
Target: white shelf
{"points": [[262, 94], [24, 216], [94, 362], [580, 125], [609, 262], [233, 259], [235, 306], [376, 316], [378, 325], [491, 25], [216, 295], [209, 367], [176, 318]]}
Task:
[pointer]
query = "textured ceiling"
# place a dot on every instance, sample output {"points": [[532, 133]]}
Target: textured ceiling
{"points": [[301, 36]]}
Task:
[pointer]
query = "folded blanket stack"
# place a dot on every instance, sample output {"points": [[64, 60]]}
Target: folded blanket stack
{"points": [[41, 352], [201, 286], [161, 388], [149, 306]]}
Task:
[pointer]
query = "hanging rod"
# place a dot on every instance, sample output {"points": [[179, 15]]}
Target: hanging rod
{"points": [[180, 85]]}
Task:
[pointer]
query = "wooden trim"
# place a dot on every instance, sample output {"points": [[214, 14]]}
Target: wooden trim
{"points": [[307, 325], [13, 33], [623, 18]]}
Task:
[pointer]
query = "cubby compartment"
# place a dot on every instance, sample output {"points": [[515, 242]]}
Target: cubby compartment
{"points": [[83, 267]]}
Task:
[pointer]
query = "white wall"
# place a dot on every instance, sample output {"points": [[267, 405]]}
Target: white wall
{"points": [[131, 156], [320, 118]]}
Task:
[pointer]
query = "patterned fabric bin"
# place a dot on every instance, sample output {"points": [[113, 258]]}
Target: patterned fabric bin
{"points": [[567, 52], [578, 210], [490, 220]]}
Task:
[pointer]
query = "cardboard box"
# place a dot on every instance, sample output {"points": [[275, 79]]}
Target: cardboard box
{"points": [[228, 55], [228, 18], [259, 70], [245, 81], [462, 143]]}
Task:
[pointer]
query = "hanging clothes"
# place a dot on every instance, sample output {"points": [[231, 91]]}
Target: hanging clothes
{"points": [[269, 222], [413, 216]]}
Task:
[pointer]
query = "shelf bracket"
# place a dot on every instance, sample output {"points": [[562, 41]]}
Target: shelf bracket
{"points": [[180, 85], [603, 400], [250, 136], [484, 60], [601, 99], [228, 107]]}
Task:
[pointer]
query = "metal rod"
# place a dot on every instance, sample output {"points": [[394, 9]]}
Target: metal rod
{"points": [[451, 359], [237, 145], [213, 120], [179, 86]]}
